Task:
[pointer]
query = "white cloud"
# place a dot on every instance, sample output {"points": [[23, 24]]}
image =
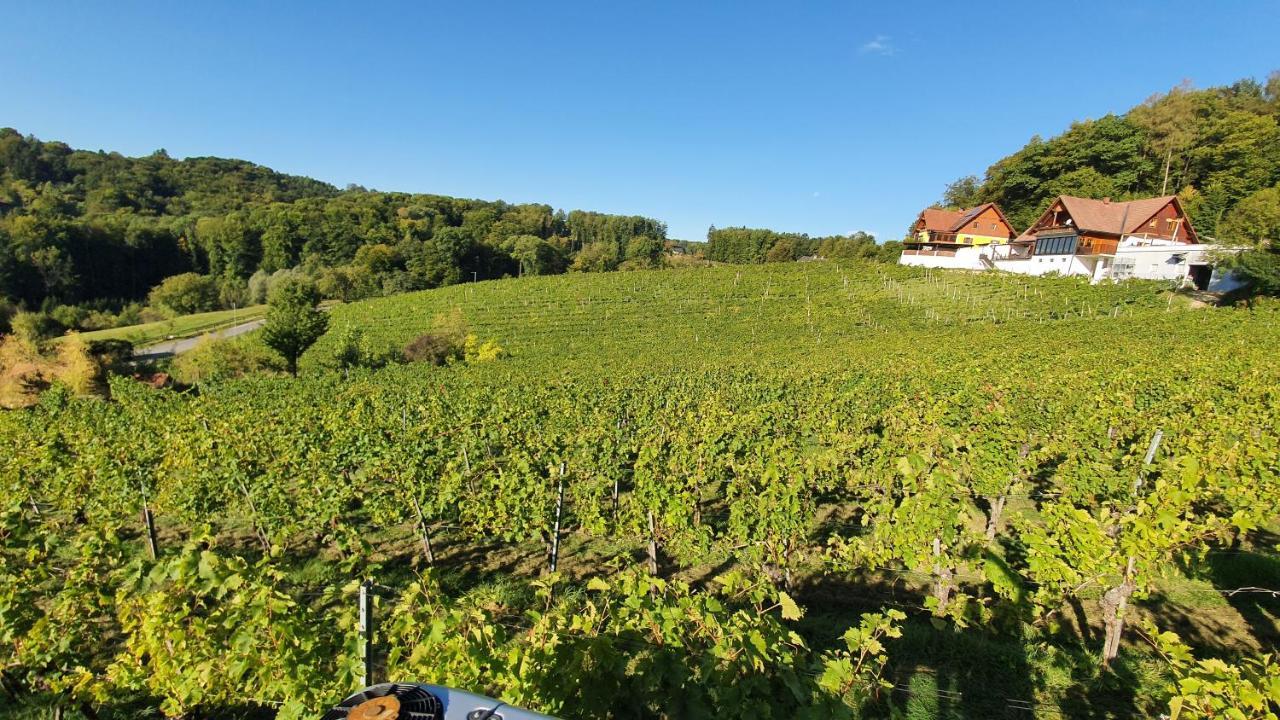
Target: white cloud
{"points": [[879, 45]]}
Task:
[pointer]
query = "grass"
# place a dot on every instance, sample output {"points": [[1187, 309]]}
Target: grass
{"points": [[180, 327]]}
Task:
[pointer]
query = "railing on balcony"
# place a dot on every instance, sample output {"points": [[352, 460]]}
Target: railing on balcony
{"points": [[932, 253], [944, 238]]}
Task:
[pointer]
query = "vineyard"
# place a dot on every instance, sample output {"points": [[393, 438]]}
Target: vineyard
{"points": [[796, 490]]}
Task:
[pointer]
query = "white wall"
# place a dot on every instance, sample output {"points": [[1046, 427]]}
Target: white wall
{"points": [[1133, 259], [1156, 262], [1046, 264], [966, 258]]}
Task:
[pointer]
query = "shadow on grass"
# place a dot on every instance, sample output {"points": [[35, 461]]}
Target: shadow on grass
{"points": [[1255, 573]]}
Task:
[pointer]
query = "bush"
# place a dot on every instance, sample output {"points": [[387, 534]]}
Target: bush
{"points": [[434, 348], [78, 369], [185, 294], [354, 349], [69, 316], [112, 354], [25, 373], [446, 341], [232, 292], [475, 351], [99, 320], [259, 286], [130, 314], [33, 327], [213, 359]]}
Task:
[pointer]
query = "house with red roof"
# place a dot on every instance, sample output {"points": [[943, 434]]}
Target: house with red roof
{"points": [[1150, 238], [956, 238]]}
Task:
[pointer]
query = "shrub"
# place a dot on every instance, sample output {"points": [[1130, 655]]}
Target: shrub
{"points": [[33, 327], [69, 316], [434, 348], [78, 369], [232, 292], [446, 341], [475, 351], [259, 286], [213, 359], [112, 354], [23, 374], [355, 349], [99, 320], [130, 314], [185, 294]]}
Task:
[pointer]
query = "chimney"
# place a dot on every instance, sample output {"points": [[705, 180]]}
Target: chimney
{"points": [[1106, 200]]}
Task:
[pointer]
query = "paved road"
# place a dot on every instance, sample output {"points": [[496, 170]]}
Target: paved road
{"points": [[177, 347]]}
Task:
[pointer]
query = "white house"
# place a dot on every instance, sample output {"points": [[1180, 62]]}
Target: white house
{"points": [[958, 239], [1151, 238]]}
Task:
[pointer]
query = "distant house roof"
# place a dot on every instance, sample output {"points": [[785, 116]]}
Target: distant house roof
{"points": [[1111, 218], [950, 221], [939, 220]]}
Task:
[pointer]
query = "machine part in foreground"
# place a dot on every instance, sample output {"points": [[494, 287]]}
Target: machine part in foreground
{"points": [[410, 701]]}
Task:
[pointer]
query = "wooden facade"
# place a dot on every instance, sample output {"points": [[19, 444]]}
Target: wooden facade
{"points": [[1099, 226]]}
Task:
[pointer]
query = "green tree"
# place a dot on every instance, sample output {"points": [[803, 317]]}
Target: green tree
{"points": [[963, 193], [535, 255], [294, 320], [185, 294], [1169, 121], [597, 257], [1255, 224]]}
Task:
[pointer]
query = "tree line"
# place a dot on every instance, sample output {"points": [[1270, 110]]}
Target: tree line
{"points": [[91, 234], [757, 245]]}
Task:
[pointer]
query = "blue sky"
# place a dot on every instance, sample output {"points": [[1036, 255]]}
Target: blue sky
{"points": [[817, 117]]}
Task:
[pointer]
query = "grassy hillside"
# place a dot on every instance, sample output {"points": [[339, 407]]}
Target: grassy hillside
{"points": [[736, 315], [805, 447], [178, 327]]}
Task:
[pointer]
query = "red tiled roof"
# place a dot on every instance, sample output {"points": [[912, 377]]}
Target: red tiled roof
{"points": [[1103, 217], [939, 220], [1112, 218]]}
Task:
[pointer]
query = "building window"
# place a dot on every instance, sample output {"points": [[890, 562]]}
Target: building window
{"points": [[1059, 245]]}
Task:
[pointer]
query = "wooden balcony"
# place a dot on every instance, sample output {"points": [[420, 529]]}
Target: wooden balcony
{"points": [[943, 238], [1097, 246]]}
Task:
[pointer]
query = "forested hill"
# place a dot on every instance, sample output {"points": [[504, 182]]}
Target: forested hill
{"points": [[95, 227], [1213, 147]]}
